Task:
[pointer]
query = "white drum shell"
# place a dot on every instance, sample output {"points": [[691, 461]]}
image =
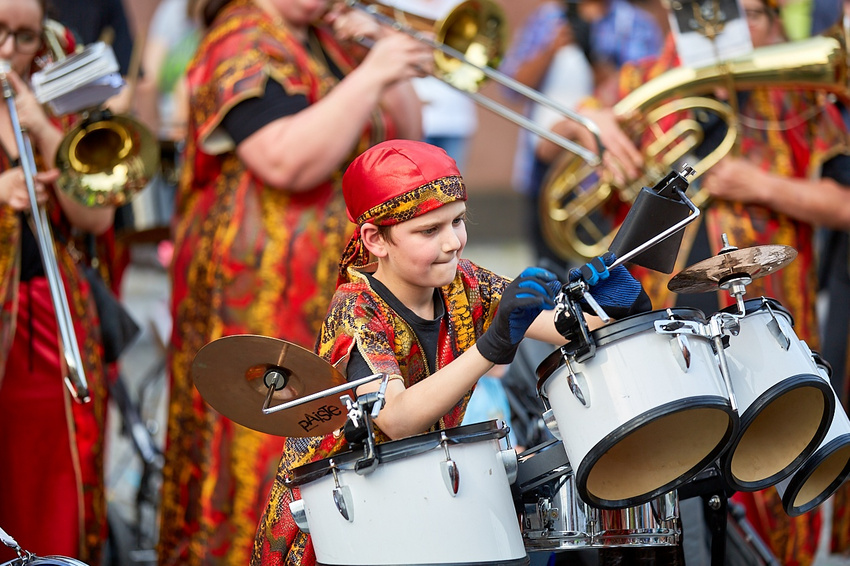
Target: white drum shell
{"points": [[781, 390], [403, 512], [824, 471], [627, 383], [757, 361]]}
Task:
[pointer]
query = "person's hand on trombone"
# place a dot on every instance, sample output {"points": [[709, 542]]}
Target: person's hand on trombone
{"points": [[13, 187]]}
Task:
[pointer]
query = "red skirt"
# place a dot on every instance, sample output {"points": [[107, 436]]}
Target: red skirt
{"points": [[40, 490]]}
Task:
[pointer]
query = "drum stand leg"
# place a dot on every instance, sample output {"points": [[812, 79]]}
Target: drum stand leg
{"points": [[716, 507]]}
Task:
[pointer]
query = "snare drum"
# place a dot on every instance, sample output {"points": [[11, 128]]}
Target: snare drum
{"points": [[44, 561], [437, 498], [553, 516], [825, 470], [785, 405], [645, 414]]}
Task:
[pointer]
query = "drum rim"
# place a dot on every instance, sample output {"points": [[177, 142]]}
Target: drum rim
{"points": [[785, 386], [601, 448], [800, 476], [756, 304], [618, 330], [54, 560], [393, 450]]}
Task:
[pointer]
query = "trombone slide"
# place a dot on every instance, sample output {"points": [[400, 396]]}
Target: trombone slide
{"points": [[75, 378]]}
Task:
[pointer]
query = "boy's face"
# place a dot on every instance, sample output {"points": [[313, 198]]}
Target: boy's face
{"points": [[425, 250]]}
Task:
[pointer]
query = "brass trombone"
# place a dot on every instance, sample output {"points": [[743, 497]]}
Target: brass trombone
{"points": [[75, 378], [468, 41]]}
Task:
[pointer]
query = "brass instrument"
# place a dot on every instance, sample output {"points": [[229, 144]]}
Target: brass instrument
{"points": [[468, 42], [575, 195], [76, 377], [106, 159], [103, 161]]}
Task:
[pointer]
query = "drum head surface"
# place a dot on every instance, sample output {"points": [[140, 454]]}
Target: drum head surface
{"points": [[661, 451], [771, 445], [818, 477]]}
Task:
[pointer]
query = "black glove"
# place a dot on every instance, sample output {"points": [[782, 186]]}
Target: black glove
{"points": [[525, 297], [617, 292]]}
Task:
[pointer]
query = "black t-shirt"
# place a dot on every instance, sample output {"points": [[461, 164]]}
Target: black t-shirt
{"points": [[427, 331], [250, 115]]}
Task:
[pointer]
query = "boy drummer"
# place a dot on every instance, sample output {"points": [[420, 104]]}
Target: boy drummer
{"points": [[432, 321]]}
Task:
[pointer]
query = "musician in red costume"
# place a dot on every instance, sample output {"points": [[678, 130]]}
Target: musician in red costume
{"points": [[281, 99], [775, 189], [52, 478]]}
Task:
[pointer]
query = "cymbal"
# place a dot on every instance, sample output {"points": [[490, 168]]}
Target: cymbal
{"points": [[755, 262], [229, 374]]}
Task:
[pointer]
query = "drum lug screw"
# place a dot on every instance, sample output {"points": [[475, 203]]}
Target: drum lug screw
{"points": [[714, 502]]}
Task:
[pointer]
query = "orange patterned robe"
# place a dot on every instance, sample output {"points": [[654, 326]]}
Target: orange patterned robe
{"points": [[248, 259], [797, 149]]}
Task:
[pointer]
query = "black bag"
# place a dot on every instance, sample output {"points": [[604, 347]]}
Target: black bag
{"points": [[117, 327]]}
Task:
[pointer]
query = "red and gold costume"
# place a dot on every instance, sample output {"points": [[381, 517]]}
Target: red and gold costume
{"points": [[248, 259], [391, 184], [52, 496], [776, 136], [358, 315]]}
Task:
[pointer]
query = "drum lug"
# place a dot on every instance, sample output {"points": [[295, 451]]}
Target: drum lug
{"points": [[509, 460], [551, 423], [573, 380], [449, 469], [299, 515], [682, 351], [342, 497], [776, 330]]}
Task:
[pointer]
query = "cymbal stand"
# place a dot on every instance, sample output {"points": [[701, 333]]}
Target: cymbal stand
{"points": [[735, 285], [7, 539], [277, 379], [358, 426]]}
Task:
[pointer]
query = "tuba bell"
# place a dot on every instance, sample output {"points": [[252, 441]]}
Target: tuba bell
{"points": [[576, 199]]}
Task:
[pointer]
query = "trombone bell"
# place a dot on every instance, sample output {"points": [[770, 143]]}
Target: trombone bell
{"points": [[473, 28], [106, 160]]}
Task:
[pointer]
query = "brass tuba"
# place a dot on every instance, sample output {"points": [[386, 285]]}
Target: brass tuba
{"points": [[575, 197]]}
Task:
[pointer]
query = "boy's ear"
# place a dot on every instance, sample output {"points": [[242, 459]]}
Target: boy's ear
{"points": [[373, 240]]}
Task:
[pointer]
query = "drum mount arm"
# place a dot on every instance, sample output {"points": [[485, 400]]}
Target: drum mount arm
{"points": [[571, 324], [7, 539], [358, 427]]}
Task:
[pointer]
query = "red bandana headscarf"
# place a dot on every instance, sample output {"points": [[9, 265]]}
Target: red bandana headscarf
{"points": [[392, 182]]}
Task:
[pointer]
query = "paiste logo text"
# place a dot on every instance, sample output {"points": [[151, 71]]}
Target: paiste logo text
{"points": [[321, 415]]}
